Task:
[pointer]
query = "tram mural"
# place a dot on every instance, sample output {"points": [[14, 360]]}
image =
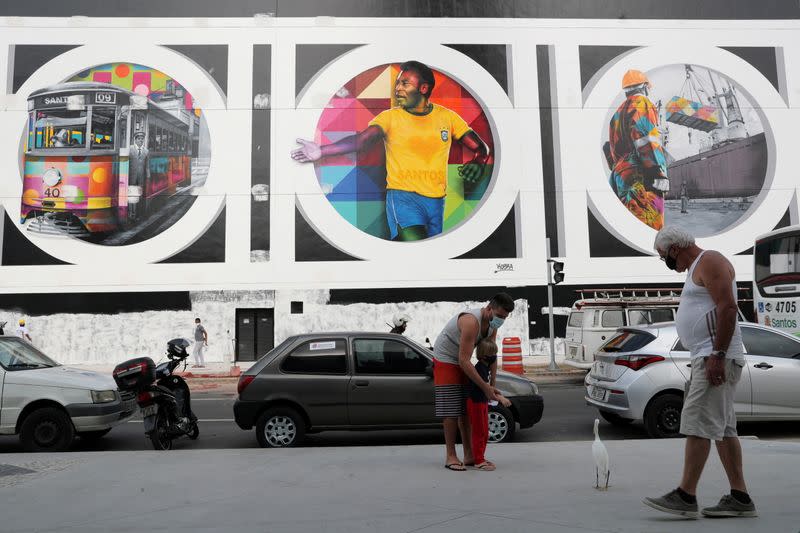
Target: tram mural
{"points": [[112, 155]]}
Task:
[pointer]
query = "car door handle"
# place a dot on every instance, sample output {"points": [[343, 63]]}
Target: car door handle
{"points": [[361, 383], [763, 366]]}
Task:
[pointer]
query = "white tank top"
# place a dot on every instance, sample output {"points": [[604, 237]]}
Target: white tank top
{"points": [[696, 320]]}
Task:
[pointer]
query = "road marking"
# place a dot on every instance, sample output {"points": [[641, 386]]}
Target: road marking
{"points": [[201, 420]]}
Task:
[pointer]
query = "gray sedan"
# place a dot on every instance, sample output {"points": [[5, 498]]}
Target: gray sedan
{"points": [[358, 381], [641, 372]]}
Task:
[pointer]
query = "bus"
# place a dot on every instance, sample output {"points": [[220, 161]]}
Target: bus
{"points": [[776, 279], [97, 157]]}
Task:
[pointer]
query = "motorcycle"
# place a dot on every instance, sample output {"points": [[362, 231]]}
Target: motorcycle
{"points": [[163, 397]]}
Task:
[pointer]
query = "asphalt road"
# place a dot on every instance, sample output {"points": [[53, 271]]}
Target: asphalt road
{"points": [[566, 418]]}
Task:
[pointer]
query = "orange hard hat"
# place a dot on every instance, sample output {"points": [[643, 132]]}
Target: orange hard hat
{"points": [[634, 77]]}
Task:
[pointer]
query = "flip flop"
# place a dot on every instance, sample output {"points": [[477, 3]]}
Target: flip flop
{"points": [[486, 466], [485, 462], [456, 467]]}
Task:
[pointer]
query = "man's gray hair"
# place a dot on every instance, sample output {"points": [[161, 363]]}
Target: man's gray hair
{"points": [[670, 236]]}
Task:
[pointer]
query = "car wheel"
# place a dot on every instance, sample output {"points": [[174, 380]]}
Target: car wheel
{"points": [[501, 424], [662, 418], [280, 427], [614, 419], [46, 430], [93, 435]]}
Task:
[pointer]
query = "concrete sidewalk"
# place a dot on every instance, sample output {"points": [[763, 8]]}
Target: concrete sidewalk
{"points": [[543, 487]]}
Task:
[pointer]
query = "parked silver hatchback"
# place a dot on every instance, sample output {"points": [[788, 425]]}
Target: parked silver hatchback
{"points": [[641, 372]]}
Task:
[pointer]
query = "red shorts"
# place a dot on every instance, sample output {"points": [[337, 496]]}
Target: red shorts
{"points": [[449, 390]]}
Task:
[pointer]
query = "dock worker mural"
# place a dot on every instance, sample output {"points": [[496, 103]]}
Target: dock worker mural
{"points": [[635, 154]]}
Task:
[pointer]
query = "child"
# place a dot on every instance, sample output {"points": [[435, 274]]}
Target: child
{"points": [[477, 403]]}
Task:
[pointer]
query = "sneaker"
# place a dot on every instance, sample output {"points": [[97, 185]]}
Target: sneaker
{"points": [[730, 506], [672, 503]]}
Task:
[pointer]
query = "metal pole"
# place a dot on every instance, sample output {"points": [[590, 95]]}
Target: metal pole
{"points": [[553, 366]]}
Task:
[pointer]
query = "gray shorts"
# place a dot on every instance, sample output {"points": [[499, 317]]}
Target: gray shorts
{"points": [[708, 411]]}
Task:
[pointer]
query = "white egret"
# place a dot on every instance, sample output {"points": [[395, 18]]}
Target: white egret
{"points": [[600, 455]]}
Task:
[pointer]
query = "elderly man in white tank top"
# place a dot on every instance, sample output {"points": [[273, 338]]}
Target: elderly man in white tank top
{"points": [[707, 325]]}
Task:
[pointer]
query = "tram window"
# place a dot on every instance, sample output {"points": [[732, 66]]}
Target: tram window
{"points": [[151, 138], [59, 128], [102, 127], [171, 141], [123, 130], [159, 132]]}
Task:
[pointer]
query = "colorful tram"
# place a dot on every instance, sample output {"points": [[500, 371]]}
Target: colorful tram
{"points": [[97, 157]]}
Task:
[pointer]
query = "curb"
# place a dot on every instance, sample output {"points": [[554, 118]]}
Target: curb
{"points": [[233, 372], [541, 374]]}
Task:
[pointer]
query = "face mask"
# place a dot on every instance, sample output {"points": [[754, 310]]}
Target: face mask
{"points": [[496, 322], [670, 261], [490, 359]]}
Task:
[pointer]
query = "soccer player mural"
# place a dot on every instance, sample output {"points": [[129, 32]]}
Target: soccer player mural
{"points": [[422, 183]]}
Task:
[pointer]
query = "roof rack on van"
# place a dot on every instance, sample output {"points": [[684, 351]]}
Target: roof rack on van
{"points": [[650, 295], [616, 293]]}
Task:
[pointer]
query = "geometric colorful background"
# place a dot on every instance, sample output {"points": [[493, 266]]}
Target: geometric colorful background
{"points": [[355, 184], [142, 80]]}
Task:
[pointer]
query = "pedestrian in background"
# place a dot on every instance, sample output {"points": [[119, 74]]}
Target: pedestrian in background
{"points": [[707, 325], [22, 331], [200, 344], [400, 323]]}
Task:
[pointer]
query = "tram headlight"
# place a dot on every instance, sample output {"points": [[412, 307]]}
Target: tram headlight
{"points": [[51, 177]]}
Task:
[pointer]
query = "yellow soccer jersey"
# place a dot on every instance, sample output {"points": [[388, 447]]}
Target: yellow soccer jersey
{"points": [[417, 148]]}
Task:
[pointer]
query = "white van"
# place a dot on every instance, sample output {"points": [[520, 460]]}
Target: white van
{"points": [[48, 404], [594, 319]]}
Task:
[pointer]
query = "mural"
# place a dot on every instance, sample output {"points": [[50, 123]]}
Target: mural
{"points": [[402, 152], [112, 155], [686, 147]]}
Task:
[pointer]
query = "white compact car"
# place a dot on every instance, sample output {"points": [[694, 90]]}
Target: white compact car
{"points": [[641, 372], [47, 404]]}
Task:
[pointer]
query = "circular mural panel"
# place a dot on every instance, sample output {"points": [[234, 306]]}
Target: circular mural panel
{"points": [[418, 168], [685, 146], [112, 156]]}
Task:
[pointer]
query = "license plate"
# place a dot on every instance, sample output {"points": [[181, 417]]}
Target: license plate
{"points": [[573, 350], [598, 393], [150, 410]]}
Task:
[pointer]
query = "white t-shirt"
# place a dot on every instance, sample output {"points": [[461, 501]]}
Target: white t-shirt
{"points": [[22, 332]]}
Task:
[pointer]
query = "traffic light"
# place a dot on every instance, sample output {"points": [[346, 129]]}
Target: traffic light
{"points": [[558, 271]]}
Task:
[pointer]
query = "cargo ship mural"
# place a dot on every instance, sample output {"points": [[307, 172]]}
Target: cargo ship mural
{"points": [[702, 156], [105, 153]]}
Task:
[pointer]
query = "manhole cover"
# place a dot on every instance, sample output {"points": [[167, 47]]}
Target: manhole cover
{"points": [[11, 470]]}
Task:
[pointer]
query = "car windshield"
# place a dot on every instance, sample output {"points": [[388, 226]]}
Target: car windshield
{"points": [[16, 354]]}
